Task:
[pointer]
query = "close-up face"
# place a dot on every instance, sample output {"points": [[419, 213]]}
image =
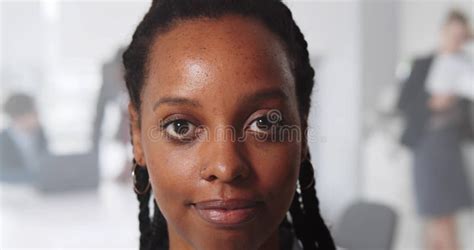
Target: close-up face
{"points": [[211, 88]]}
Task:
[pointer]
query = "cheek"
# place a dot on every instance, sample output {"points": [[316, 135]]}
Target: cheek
{"points": [[277, 169], [171, 176]]}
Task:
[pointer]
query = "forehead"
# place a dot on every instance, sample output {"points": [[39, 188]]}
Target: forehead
{"points": [[229, 54]]}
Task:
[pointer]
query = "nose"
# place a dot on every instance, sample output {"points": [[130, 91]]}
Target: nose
{"points": [[225, 161]]}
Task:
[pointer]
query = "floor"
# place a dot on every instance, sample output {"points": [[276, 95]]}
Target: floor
{"points": [[81, 220], [101, 219]]}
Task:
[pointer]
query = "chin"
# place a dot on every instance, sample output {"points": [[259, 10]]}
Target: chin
{"points": [[244, 238], [232, 242]]}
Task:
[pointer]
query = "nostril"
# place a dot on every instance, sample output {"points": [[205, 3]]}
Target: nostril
{"points": [[224, 171], [206, 175], [211, 178]]}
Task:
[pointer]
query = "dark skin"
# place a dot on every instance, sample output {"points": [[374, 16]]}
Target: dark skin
{"points": [[217, 73]]}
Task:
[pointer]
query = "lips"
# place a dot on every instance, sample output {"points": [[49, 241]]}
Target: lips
{"points": [[227, 213]]}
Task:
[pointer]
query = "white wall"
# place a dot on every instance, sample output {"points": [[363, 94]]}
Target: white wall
{"points": [[21, 45], [55, 50], [332, 30]]}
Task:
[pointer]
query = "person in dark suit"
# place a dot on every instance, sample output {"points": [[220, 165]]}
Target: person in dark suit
{"points": [[113, 91], [436, 123], [23, 142]]}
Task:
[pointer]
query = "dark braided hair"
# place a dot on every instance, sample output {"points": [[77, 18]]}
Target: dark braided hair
{"points": [[308, 225], [144, 200]]}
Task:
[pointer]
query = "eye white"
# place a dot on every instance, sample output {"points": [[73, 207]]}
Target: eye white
{"points": [[261, 125], [180, 129]]}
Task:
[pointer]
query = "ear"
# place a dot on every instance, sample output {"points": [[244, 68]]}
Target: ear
{"points": [[135, 132]]}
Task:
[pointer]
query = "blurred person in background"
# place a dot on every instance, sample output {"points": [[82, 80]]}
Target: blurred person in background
{"points": [[113, 91], [23, 142], [434, 102]]}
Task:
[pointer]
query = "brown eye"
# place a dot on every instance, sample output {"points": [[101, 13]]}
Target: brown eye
{"points": [[261, 124], [267, 123], [180, 129]]}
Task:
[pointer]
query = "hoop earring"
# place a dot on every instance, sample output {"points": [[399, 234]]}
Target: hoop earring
{"points": [[135, 172]]}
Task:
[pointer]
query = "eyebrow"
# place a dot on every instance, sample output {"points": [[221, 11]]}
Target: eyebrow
{"points": [[174, 101], [273, 93]]}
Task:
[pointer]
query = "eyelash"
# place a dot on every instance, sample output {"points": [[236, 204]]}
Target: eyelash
{"points": [[164, 125]]}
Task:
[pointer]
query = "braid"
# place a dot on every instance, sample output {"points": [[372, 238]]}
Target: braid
{"points": [[299, 223], [317, 229], [153, 233], [159, 240], [304, 72], [318, 237], [141, 175]]}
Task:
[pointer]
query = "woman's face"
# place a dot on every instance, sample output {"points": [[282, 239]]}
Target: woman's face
{"points": [[455, 34], [210, 87]]}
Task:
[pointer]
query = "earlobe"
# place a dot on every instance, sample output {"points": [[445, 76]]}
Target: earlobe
{"points": [[135, 134]]}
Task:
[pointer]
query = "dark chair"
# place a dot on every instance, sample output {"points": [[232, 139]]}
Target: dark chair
{"points": [[366, 226]]}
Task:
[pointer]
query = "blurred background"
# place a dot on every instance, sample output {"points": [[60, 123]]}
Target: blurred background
{"points": [[65, 155]]}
